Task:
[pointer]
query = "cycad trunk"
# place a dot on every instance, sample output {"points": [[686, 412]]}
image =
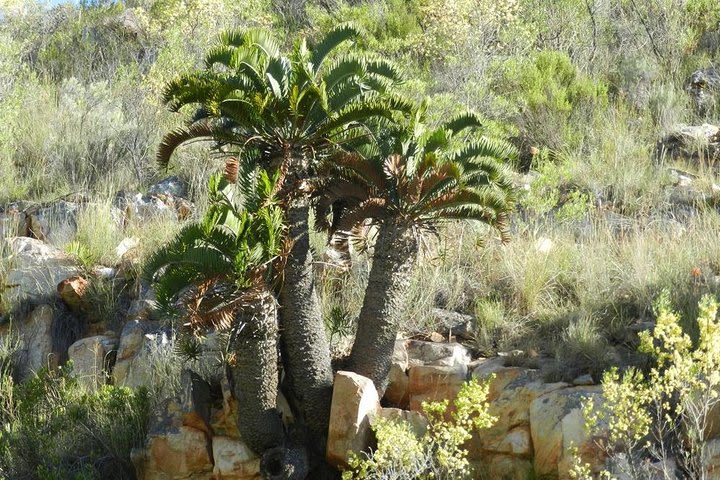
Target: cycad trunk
{"points": [[385, 298], [253, 374], [306, 352]]}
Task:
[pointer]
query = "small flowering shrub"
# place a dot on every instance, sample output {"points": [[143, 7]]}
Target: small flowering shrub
{"points": [[437, 454], [645, 417]]}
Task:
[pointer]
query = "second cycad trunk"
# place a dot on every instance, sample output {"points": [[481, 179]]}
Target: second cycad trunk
{"points": [[385, 297], [306, 352], [253, 373]]}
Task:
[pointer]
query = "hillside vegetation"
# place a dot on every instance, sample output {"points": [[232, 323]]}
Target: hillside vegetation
{"points": [[610, 104]]}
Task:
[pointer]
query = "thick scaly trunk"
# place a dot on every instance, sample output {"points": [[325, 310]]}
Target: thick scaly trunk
{"points": [[253, 374], [305, 348], [385, 297]]}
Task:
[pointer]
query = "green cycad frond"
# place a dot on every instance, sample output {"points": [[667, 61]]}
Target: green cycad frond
{"points": [[338, 35], [255, 38], [418, 179], [205, 272], [205, 129], [486, 147], [463, 121]]}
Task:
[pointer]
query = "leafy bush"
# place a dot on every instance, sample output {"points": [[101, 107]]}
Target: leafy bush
{"points": [[53, 429], [438, 453], [548, 98], [664, 415]]}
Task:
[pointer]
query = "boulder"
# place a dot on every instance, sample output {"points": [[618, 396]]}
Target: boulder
{"points": [[432, 353], [91, 359], [141, 207], [139, 342], [37, 342], [453, 323], [173, 451], [396, 392], [52, 223], [430, 383], [692, 142], [234, 460], [36, 269], [558, 426], [354, 401], [172, 185], [512, 391], [711, 460], [416, 420], [72, 292], [11, 220], [505, 467], [704, 88]]}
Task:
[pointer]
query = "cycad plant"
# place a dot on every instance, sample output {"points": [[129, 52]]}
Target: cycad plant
{"points": [[286, 113], [218, 273], [412, 180]]}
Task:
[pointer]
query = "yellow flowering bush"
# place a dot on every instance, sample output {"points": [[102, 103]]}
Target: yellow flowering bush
{"points": [[438, 453], [646, 416]]}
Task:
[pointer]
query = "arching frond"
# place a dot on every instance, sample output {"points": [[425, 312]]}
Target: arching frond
{"points": [[203, 130], [340, 34]]}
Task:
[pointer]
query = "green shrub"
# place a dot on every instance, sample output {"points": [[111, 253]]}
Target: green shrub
{"points": [[438, 453], [54, 429], [549, 99]]}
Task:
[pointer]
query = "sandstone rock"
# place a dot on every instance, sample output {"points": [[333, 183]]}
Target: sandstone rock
{"points": [[400, 354], [36, 269], [91, 359], [704, 88], [234, 460], [354, 401], [73, 292], [557, 425], [431, 353], [584, 380], [10, 221], [434, 383], [52, 222], [711, 460], [37, 341], [126, 245], [505, 467], [182, 454], [174, 451], [154, 205], [139, 342], [396, 392], [511, 398], [436, 337], [416, 420]]}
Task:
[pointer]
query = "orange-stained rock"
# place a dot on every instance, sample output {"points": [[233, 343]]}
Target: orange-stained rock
{"points": [[177, 455], [73, 293], [354, 401]]}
